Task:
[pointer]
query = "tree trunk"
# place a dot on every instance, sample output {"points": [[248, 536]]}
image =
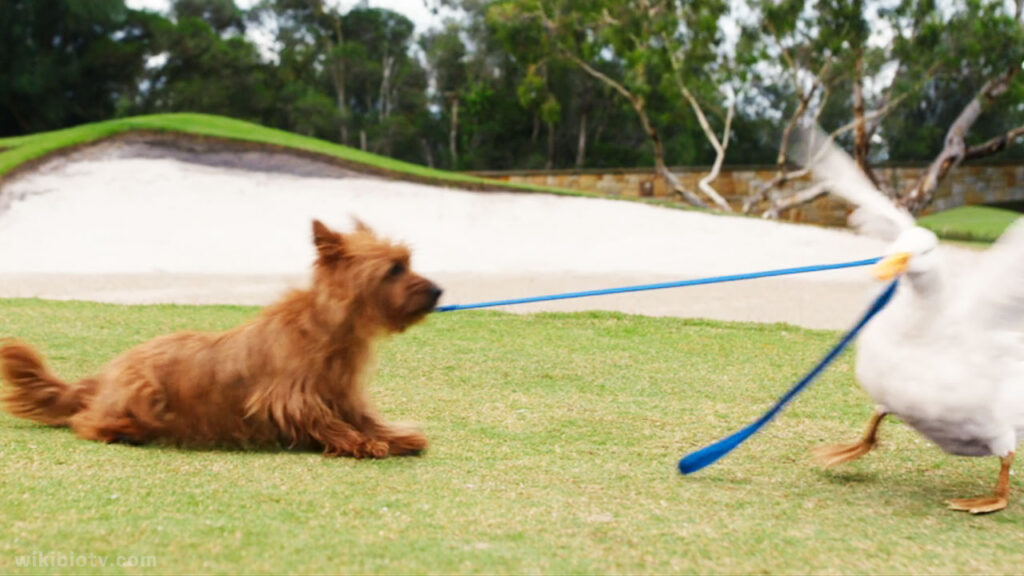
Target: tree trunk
{"points": [[804, 196], [337, 66], [995, 145], [920, 195], [720, 146], [599, 131], [860, 129], [385, 86], [638, 105], [716, 168], [659, 165], [362, 140], [781, 175], [779, 205], [453, 132], [551, 147], [861, 142], [428, 154], [343, 132], [581, 143]]}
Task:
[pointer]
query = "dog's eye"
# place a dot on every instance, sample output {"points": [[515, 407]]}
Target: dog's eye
{"points": [[397, 269]]}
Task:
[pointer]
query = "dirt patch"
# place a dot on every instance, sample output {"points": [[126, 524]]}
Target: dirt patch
{"points": [[821, 305]]}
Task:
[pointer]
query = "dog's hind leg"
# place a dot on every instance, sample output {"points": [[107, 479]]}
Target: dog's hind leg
{"points": [[131, 410]]}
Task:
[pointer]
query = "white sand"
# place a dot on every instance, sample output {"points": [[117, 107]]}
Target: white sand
{"points": [[142, 229]]}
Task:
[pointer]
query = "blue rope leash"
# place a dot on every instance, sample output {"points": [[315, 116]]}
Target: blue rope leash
{"points": [[710, 454], [660, 286]]}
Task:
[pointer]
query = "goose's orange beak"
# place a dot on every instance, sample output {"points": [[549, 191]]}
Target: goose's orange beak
{"points": [[892, 266]]}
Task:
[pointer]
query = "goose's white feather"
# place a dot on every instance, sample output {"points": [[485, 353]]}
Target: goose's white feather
{"points": [[994, 295], [875, 214], [946, 355]]}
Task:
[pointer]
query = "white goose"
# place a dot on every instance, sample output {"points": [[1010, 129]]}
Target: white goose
{"points": [[947, 355]]}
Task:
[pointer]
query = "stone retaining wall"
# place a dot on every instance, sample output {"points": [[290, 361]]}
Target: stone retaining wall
{"points": [[973, 184]]}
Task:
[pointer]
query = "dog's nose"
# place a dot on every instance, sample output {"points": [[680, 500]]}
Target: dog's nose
{"points": [[435, 292]]}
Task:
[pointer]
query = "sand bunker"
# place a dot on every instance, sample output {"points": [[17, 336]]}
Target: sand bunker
{"points": [[133, 222]]}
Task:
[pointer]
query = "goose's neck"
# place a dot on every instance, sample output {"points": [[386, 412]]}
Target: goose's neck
{"points": [[926, 300], [929, 287]]}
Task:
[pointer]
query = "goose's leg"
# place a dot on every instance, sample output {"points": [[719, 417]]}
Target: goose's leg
{"points": [[829, 456], [986, 504]]}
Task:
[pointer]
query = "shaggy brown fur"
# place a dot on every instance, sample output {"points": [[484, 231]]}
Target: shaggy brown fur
{"points": [[292, 376]]}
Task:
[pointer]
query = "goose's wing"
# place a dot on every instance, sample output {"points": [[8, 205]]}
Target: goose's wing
{"points": [[876, 215], [994, 294]]}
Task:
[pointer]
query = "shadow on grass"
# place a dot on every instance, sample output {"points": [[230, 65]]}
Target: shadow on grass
{"points": [[843, 477], [37, 432]]}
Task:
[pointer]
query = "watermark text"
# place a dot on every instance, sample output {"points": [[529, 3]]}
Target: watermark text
{"points": [[55, 559]]}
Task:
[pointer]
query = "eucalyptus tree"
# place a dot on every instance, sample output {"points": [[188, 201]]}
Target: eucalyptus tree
{"points": [[872, 71], [698, 72], [818, 52], [500, 104], [362, 59], [446, 55], [536, 92], [642, 50], [386, 86], [313, 30], [984, 52]]}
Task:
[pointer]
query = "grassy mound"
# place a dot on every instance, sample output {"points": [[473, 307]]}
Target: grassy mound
{"points": [[554, 444], [17, 151], [970, 223]]}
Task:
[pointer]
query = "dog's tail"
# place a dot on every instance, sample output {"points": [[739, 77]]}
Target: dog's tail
{"points": [[31, 391]]}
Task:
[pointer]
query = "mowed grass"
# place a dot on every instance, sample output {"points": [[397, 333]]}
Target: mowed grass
{"points": [[970, 223], [554, 444]]}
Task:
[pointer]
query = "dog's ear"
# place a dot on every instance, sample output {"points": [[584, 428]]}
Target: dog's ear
{"points": [[329, 244], [361, 226]]}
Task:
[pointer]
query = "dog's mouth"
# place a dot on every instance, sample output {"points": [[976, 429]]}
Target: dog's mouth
{"points": [[432, 295], [422, 303]]}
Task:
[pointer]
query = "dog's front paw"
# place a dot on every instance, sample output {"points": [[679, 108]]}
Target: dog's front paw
{"points": [[372, 449]]}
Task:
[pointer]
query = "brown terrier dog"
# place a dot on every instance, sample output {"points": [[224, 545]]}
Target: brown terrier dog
{"points": [[293, 376]]}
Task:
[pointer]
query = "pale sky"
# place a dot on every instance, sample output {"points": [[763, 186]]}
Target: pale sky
{"points": [[414, 10]]}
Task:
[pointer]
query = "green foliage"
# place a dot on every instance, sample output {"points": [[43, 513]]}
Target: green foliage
{"points": [[976, 42], [221, 15], [205, 71], [531, 88], [922, 63], [65, 62], [364, 74], [550, 110], [627, 43]]}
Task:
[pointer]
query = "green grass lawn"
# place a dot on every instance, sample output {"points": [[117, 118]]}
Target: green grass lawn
{"points": [[18, 150], [970, 223], [554, 444]]}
